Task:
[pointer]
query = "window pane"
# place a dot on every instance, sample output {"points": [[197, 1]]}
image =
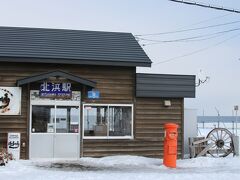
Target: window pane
{"points": [[95, 120], [120, 121], [67, 119], [43, 119]]}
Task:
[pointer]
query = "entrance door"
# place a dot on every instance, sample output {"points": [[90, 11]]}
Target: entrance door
{"points": [[67, 126], [55, 130]]}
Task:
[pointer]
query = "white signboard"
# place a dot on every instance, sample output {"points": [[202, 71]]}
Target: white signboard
{"points": [[13, 145], [10, 100]]}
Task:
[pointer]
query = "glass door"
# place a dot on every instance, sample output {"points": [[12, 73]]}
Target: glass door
{"points": [[67, 119], [42, 131], [66, 139], [55, 130]]}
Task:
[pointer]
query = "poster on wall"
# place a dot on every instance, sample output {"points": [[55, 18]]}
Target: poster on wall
{"points": [[13, 145], [10, 100]]}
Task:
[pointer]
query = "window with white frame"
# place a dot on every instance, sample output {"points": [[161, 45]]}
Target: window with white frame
{"points": [[108, 120]]}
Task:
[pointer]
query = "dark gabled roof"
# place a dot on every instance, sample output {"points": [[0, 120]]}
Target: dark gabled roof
{"points": [[38, 45], [165, 85], [66, 75]]}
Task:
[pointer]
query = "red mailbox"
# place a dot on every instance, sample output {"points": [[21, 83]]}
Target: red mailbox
{"points": [[170, 145]]}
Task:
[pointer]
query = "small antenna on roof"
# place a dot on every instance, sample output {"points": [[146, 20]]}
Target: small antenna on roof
{"points": [[201, 79]]}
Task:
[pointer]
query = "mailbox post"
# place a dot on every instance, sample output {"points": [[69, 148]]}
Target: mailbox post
{"points": [[170, 145]]}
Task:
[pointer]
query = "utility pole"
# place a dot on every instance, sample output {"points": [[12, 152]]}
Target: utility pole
{"points": [[190, 2], [218, 116], [236, 110]]}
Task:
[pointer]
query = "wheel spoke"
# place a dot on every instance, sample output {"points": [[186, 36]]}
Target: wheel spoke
{"points": [[213, 140], [224, 135], [214, 146], [217, 135], [227, 146], [214, 136], [227, 138]]}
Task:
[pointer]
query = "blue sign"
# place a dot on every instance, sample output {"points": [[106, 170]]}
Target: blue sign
{"points": [[93, 94], [55, 90]]}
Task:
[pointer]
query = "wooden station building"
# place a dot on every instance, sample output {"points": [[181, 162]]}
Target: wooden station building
{"points": [[73, 93]]}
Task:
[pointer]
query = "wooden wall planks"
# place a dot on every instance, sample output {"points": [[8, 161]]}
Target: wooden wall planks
{"points": [[116, 85], [150, 116]]}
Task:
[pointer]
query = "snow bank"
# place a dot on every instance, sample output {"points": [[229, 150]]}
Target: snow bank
{"points": [[124, 167], [121, 161]]}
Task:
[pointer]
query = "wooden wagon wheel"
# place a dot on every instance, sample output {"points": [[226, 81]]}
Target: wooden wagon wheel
{"points": [[222, 142]]}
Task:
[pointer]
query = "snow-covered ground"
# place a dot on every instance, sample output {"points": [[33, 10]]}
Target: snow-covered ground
{"points": [[124, 168]]}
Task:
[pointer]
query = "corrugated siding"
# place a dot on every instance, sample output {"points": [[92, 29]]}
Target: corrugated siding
{"points": [[164, 85], [71, 46]]}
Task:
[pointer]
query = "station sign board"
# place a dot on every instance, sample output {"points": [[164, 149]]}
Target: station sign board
{"points": [[55, 90]]}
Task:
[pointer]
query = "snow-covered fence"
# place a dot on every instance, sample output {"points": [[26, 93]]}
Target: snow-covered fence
{"points": [[207, 123], [205, 127]]}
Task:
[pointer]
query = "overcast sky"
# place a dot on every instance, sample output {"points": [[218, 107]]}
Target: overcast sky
{"points": [[220, 62]]}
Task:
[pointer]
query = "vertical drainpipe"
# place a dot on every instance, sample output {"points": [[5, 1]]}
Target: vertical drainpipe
{"points": [[81, 129], [182, 130], [134, 103], [28, 121], [83, 89]]}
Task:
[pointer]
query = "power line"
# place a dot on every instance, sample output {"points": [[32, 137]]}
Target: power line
{"points": [[189, 2], [203, 21], [207, 20], [197, 51], [190, 29], [191, 40], [188, 39]]}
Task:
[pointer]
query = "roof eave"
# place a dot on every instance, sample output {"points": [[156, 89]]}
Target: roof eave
{"points": [[75, 61], [57, 73]]}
